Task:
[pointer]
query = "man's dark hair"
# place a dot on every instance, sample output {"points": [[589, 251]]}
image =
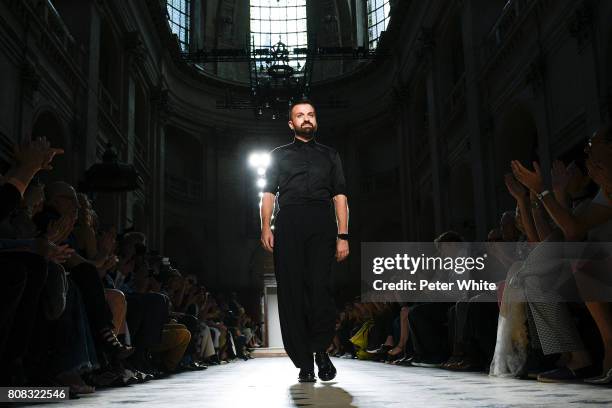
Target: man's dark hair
{"points": [[300, 102]]}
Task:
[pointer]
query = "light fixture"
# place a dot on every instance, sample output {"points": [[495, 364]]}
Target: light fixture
{"points": [[261, 183], [254, 160], [261, 171]]}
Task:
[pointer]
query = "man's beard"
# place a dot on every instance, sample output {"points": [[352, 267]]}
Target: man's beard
{"points": [[307, 131]]}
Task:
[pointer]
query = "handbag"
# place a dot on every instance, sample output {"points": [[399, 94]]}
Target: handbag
{"points": [[360, 340]]}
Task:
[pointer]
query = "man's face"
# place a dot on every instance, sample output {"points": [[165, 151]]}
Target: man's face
{"points": [[303, 120]]}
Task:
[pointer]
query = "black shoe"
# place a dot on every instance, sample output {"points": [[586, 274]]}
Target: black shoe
{"points": [[113, 346], [327, 371], [306, 375], [565, 374], [212, 360], [193, 366]]}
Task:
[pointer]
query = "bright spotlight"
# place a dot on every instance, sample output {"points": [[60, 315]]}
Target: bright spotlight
{"points": [[254, 159], [261, 182], [260, 194], [261, 171], [259, 159]]}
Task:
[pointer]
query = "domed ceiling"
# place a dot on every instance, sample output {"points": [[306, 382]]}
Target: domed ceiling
{"points": [[275, 49]]}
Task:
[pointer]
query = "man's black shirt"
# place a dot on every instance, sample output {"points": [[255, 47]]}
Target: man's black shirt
{"points": [[304, 172]]}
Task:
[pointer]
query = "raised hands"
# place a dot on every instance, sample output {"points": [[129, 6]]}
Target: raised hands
{"points": [[107, 241], [530, 179], [36, 154], [560, 175], [515, 188]]}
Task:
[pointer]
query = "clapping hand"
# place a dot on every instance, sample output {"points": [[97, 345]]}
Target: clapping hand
{"points": [[59, 230], [560, 176], [106, 243], [109, 263], [36, 154], [515, 188], [530, 179], [54, 253], [59, 253]]}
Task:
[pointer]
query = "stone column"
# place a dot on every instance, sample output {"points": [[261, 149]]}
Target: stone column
{"points": [[134, 56], [425, 51], [93, 63], [401, 96], [158, 145], [482, 215]]}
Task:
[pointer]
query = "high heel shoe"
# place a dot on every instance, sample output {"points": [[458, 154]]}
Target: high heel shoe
{"points": [[600, 380]]}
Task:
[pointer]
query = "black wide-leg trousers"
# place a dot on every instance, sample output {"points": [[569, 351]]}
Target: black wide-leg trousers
{"points": [[304, 252]]}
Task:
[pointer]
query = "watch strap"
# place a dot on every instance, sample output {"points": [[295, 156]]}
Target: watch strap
{"points": [[542, 194]]}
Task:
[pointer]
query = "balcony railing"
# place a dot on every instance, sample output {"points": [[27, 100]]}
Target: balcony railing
{"points": [[52, 21], [505, 24]]}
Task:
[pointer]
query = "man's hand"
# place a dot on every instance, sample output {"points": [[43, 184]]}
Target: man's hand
{"points": [[530, 179], [342, 249], [267, 239]]}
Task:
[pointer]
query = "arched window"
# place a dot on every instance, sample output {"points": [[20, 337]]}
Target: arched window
{"points": [[279, 20], [179, 14], [378, 18]]}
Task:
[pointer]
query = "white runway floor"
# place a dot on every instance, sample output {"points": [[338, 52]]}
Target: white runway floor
{"points": [[271, 382]]}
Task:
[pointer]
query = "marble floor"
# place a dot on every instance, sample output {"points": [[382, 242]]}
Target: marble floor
{"points": [[271, 382]]}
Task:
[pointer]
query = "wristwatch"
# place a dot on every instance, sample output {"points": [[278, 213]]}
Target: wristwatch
{"points": [[542, 194], [343, 236]]}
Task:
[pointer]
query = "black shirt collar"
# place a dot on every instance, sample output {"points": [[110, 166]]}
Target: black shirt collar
{"points": [[298, 143]]}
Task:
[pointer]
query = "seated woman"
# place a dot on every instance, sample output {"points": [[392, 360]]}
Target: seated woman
{"points": [[592, 273], [555, 326]]}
